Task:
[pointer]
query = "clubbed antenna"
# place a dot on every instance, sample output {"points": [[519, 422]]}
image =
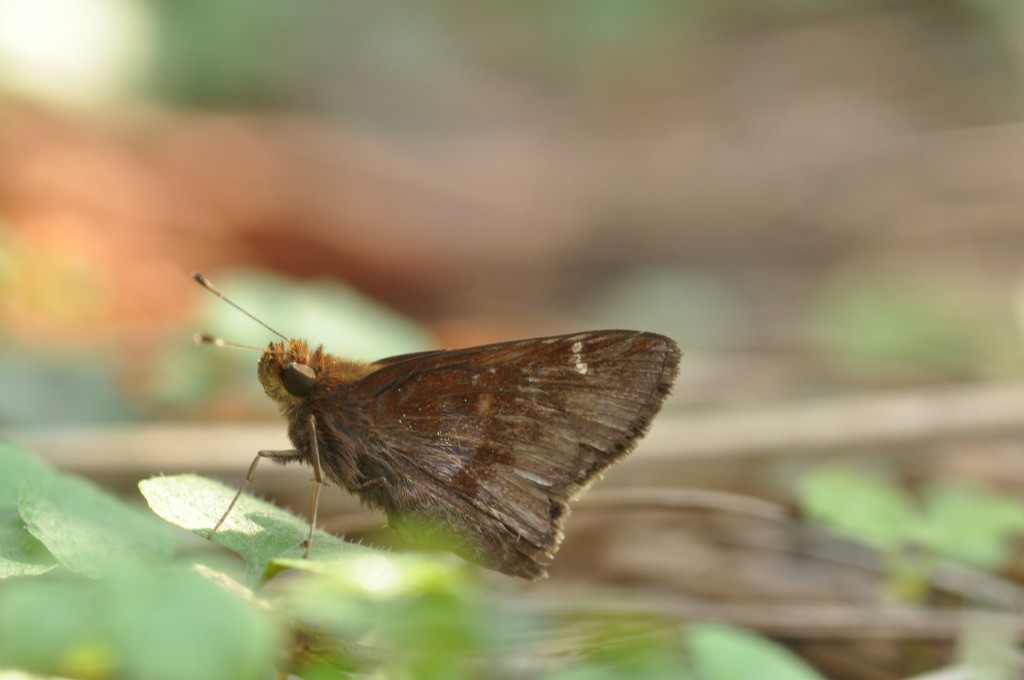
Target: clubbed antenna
{"points": [[205, 283], [210, 339]]}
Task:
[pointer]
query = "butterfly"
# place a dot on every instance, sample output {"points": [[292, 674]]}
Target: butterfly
{"points": [[479, 450]]}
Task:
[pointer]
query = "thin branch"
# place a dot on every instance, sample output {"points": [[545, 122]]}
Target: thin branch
{"points": [[890, 419]]}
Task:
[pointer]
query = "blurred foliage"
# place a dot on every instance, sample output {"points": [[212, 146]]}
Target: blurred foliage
{"points": [[952, 520], [45, 283], [45, 293], [724, 652], [94, 383], [163, 623], [83, 528], [217, 55], [119, 606], [136, 616], [90, 587], [702, 306], [871, 324], [259, 53], [21, 553], [265, 54], [858, 504]]}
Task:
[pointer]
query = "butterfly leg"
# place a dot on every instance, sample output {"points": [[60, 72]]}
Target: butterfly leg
{"points": [[316, 484], [280, 456]]}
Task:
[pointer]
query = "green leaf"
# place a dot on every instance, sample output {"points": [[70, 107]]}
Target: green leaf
{"points": [[181, 625], [54, 626], [404, 604], [88, 530], [259, 531], [144, 623], [21, 554], [720, 652], [371, 591], [630, 646], [378, 573], [859, 505], [970, 524]]}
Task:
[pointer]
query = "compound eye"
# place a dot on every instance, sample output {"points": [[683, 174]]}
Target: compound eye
{"points": [[298, 379]]}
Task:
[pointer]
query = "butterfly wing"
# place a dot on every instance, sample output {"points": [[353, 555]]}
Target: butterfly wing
{"points": [[486, 446]]}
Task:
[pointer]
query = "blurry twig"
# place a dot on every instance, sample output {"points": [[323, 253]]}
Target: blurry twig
{"points": [[668, 498], [804, 539], [874, 421], [786, 621]]}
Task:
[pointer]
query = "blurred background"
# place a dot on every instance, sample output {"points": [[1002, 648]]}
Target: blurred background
{"points": [[821, 202], [812, 200], [815, 202]]}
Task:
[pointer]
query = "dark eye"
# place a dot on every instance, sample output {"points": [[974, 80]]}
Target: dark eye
{"points": [[298, 379]]}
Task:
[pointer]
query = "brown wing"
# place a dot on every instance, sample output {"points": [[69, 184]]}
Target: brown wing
{"points": [[490, 443]]}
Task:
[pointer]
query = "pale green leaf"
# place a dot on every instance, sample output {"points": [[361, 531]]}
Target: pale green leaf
{"points": [[970, 524], [259, 531], [859, 505], [156, 623], [88, 530], [720, 652], [21, 554]]}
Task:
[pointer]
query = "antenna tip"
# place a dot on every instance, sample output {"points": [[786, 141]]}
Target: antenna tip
{"points": [[205, 339], [205, 283]]}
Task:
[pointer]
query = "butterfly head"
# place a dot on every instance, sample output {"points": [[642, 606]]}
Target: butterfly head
{"points": [[288, 371]]}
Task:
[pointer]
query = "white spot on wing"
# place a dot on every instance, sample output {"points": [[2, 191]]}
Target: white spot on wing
{"points": [[536, 479], [576, 358]]}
